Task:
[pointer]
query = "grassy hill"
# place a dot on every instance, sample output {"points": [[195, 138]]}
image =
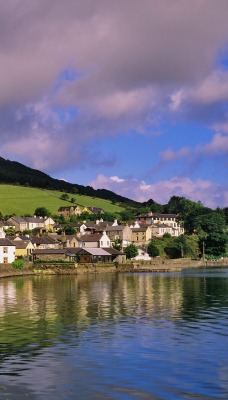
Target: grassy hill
{"points": [[21, 200], [12, 172]]}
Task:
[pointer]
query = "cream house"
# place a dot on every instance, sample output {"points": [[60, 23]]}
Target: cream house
{"points": [[68, 211], [120, 232], [141, 235], [23, 248]]}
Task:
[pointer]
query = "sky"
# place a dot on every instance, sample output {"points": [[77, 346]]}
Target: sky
{"points": [[127, 95]]}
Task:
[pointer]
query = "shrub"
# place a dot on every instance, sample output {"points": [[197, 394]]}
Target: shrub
{"points": [[153, 250], [18, 264]]}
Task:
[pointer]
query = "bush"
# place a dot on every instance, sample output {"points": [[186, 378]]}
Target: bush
{"points": [[131, 251], [153, 250], [167, 235], [18, 264]]}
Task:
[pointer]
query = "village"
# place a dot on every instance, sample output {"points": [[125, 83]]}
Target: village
{"points": [[42, 238]]}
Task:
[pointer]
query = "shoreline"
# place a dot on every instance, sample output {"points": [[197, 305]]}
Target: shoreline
{"points": [[174, 265]]}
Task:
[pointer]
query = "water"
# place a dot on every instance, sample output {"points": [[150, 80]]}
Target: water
{"points": [[115, 336]]}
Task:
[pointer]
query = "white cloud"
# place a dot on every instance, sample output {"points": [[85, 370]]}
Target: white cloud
{"points": [[213, 89], [210, 193]]}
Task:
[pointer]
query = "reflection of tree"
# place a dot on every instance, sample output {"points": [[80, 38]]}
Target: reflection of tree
{"points": [[202, 294], [36, 311]]}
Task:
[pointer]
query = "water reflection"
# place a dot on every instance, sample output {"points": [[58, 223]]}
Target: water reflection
{"points": [[51, 304], [122, 335]]}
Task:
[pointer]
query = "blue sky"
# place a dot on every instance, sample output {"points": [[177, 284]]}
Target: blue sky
{"points": [[126, 95]]}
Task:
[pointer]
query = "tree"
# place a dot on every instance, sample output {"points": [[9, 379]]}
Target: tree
{"points": [[210, 223], [69, 230], [10, 231], [153, 250], [167, 235], [153, 206], [215, 244], [126, 215], [117, 244], [64, 196], [172, 251], [131, 251], [42, 212]]}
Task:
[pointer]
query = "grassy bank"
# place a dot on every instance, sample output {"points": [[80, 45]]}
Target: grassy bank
{"points": [[154, 266]]}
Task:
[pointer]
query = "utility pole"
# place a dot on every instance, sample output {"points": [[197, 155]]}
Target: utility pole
{"points": [[203, 250]]}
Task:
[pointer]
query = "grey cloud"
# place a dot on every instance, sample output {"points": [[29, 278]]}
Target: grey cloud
{"points": [[130, 56]]}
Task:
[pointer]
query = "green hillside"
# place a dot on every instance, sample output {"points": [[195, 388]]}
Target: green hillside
{"points": [[12, 172], [21, 200]]}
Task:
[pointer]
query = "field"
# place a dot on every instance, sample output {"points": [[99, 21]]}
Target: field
{"points": [[21, 200]]}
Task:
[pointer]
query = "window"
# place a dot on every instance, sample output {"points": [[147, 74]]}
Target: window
{"points": [[5, 249], [5, 260]]}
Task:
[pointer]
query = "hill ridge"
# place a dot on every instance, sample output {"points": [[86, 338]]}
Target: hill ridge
{"points": [[14, 172]]}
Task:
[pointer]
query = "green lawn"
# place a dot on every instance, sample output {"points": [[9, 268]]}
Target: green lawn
{"points": [[21, 200]]}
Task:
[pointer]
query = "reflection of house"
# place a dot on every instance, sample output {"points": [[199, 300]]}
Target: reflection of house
{"points": [[68, 211]]}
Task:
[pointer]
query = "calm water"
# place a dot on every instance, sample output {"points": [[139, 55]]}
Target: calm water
{"points": [[116, 336]]}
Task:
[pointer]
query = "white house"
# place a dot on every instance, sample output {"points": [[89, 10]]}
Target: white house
{"points": [[7, 249], [95, 240], [142, 255]]}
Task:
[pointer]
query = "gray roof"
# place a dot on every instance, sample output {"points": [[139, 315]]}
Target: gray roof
{"points": [[21, 244], [90, 238], [49, 251], [6, 242], [96, 251], [141, 229], [115, 228], [113, 251]]}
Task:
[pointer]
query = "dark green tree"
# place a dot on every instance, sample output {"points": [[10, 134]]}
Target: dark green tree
{"points": [[131, 251], [153, 250], [42, 212], [69, 230], [64, 196], [167, 235], [215, 244], [210, 223], [173, 251], [126, 215]]}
